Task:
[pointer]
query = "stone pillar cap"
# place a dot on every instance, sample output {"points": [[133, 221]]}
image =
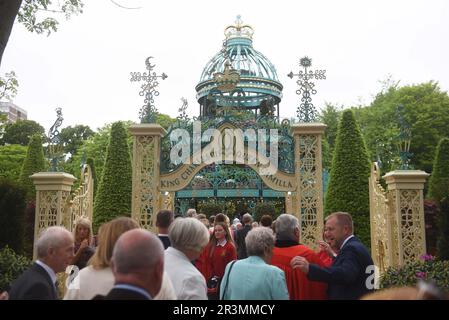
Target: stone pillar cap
{"points": [[147, 129], [308, 128]]}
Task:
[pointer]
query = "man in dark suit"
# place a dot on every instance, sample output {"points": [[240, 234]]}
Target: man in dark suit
{"points": [[138, 265], [240, 236], [347, 277], [164, 218], [54, 253]]}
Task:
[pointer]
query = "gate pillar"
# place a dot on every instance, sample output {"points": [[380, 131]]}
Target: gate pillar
{"points": [[308, 200], [146, 192]]}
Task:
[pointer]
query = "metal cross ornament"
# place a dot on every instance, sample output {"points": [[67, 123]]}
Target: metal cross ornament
{"points": [[306, 111], [55, 148], [148, 112]]}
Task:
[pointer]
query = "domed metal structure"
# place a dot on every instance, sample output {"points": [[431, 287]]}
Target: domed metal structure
{"points": [[239, 76]]}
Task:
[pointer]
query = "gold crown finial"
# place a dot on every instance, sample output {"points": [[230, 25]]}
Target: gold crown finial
{"points": [[239, 30]]}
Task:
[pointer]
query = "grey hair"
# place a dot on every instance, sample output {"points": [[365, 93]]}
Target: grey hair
{"points": [[343, 219], [285, 227], [52, 237], [258, 241], [188, 234], [247, 218], [136, 249], [191, 213]]}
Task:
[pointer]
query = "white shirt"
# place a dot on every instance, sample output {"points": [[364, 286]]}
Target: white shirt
{"points": [[222, 242], [346, 240], [49, 270], [188, 282], [89, 282]]}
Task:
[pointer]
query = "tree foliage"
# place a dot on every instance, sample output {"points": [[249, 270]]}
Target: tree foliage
{"points": [[36, 15], [12, 210], [8, 86], [21, 131], [33, 163], [348, 186], [443, 230], [425, 109], [11, 161], [439, 180], [114, 192], [72, 138]]}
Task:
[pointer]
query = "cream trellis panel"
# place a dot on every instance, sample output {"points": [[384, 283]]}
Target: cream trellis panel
{"points": [[380, 221], [52, 207], [144, 184], [310, 189], [412, 224]]}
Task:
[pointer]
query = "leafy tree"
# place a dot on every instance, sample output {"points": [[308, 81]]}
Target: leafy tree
{"points": [[8, 86], [12, 209], [330, 116], [11, 160], [348, 186], [21, 131], [34, 162], [114, 192], [425, 109], [164, 120], [72, 138], [30, 12], [439, 180]]}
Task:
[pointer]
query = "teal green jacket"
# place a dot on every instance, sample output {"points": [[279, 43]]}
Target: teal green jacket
{"points": [[253, 279]]}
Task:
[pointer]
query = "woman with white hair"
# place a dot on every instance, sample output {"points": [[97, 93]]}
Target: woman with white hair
{"points": [[188, 237], [253, 278]]}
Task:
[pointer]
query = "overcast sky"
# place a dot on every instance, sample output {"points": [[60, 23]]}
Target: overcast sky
{"points": [[84, 68]]}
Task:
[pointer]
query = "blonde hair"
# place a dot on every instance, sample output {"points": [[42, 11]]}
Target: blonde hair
{"points": [[107, 237], [86, 223]]}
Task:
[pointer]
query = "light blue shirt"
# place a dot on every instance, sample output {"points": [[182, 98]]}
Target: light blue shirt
{"points": [[253, 279]]}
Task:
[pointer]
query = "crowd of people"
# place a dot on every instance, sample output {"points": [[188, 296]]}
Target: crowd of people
{"points": [[197, 258]]}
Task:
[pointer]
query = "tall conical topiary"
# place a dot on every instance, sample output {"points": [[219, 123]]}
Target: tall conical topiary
{"points": [[439, 180], [33, 163], [348, 188], [113, 197], [439, 191]]}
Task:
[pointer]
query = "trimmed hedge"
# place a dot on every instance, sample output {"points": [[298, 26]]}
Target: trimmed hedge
{"points": [[348, 188], [33, 163], [12, 266], [439, 180], [113, 197], [263, 208], [12, 214], [443, 231]]}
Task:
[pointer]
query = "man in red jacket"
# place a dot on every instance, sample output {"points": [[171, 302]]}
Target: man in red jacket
{"points": [[286, 247]]}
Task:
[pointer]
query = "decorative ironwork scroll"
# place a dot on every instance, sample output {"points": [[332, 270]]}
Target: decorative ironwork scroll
{"points": [[55, 148], [306, 111], [404, 138], [380, 222], [83, 198], [148, 112]]}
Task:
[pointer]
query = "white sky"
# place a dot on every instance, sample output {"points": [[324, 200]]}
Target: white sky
{"points": [[84, 67]]}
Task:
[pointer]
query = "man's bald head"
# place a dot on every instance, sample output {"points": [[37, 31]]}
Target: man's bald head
{"points": [[135, 250]]}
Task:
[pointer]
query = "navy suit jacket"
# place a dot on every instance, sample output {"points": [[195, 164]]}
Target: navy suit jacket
{"points": [[33, 284], [346, 278], [121, 294], [240, 236]]}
